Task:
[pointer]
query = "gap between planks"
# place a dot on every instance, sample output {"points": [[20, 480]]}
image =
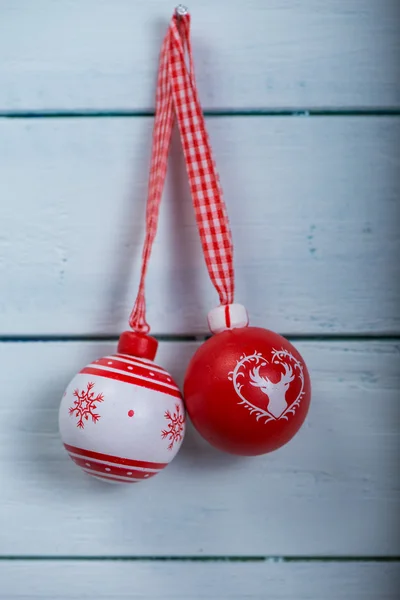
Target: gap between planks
{"points": [[276, 112], [183, 558], [339, 337]]}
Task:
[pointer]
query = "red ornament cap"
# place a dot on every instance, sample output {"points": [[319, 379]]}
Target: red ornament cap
{"points": [[137, 344]]}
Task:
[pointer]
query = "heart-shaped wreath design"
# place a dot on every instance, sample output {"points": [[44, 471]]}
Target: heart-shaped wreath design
{"points": [[278, 408]]}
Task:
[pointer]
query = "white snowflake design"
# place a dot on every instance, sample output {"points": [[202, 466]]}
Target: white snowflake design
{"points": [[85, 405], [278, 408], [174, 433]]}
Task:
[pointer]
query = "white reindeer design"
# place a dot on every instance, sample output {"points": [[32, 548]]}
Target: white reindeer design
{"points": [[276, 392]]}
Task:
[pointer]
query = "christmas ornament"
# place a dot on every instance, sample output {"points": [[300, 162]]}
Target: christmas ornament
{"points": [[122, 417], [247, 389]]}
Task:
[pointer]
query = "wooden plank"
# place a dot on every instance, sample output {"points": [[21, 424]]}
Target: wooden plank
{"points": [[333, 491], [313, 205], [27, 580], [276, 54]]}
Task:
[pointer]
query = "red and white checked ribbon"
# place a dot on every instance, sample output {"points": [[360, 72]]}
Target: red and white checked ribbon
{"points": [[177, 93]]}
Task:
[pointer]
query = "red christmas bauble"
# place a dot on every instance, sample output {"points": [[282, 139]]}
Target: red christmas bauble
{"points": [[247, 390]]}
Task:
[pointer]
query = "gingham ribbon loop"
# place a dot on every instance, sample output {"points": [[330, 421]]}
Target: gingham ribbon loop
{"points": [[162, 130], [176, 91], [211, 216]]}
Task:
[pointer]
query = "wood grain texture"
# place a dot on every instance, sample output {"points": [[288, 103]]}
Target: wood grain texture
{"points": [[102, 55], [313, 205], [97, 580], [334, 490], [315, 215]]}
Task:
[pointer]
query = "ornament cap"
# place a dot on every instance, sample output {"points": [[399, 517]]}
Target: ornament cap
{"points": [[226, 317], [137, 344], [181, 10]]}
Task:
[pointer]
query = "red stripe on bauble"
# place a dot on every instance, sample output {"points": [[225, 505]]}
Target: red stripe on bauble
{"points": [[114, 459], [112, 470], [151, 385], [131, 368], [135, 359]]}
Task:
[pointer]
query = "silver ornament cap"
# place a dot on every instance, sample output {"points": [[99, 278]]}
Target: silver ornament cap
{"points": [[181, 10]]}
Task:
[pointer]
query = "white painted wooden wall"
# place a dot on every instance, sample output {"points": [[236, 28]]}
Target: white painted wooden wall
{"points": [[303, 105]]}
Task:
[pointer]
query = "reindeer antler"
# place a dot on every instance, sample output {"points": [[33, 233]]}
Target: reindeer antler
{"points": [[288, 375], [256, 378], [259, 381]]}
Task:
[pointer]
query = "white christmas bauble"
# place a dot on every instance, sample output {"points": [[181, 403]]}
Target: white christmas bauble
{"points": [[122, 418]]}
